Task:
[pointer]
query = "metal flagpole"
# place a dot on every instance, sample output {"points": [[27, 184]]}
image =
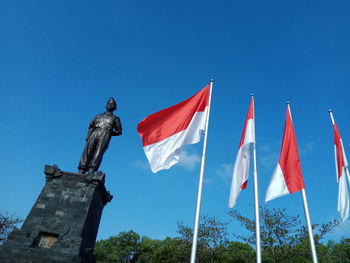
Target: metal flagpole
{"points": [[307, 214], [200, 184], [256, 198], [343, 152], [331, 114], [309, 227]]}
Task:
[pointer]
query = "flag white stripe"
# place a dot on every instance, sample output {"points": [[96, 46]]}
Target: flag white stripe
{"points": [[343, 197], [343, 193], [240, 173], [277, 186], [344, 155], [346, 166], [249, 132]]}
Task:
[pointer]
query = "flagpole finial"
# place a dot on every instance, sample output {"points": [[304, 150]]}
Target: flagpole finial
{"points": [[288, 102], [211, 80], [252, 94], [329, 110]]}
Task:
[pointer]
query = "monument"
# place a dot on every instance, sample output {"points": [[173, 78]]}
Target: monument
{"points": [[63, 223]]}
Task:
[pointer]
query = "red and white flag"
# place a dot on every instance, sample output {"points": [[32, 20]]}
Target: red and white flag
{"points": [[241, 168], [287, 177], [165, 133], [341, 165]]}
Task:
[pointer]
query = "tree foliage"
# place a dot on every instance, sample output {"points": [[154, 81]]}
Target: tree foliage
{"points": [[212, 236], [283, 237], [213, 246], [122, 248]]}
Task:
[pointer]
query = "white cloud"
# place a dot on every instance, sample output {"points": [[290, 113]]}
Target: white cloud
{"points": [[266, 156], [343, 230], [188, 161], [142, 165], [207, 181], [268, 160], [224, 171], [265, 147], [306, 148]]}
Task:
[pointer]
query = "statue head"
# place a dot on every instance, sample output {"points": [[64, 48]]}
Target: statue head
{"points": [[111, 104]]}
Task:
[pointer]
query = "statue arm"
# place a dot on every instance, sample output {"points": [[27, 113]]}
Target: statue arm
{"points": [[91, 128], [117, 127]]}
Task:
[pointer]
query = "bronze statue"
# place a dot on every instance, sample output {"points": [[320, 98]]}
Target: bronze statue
{"points": [[101, 129]]}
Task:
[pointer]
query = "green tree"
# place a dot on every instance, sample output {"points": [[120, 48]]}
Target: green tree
{"points": [[301, 251], [212, 236], [237, 252], [172, 250], [340, 252], [146, 250], [283, 237], [118, 249], [127, 247]]}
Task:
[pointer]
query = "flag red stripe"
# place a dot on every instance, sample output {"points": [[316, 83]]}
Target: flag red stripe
{"points": [[339, 150], [172, 120], [289, 159], [250, 115]]}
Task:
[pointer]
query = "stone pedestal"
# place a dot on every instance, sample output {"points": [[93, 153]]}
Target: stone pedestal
{"points": [[63, 223]]}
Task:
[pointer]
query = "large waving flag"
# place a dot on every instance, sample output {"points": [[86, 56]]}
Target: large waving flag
{"points": [[341, 166], [287, 177], [164, 133], [241, 168]]}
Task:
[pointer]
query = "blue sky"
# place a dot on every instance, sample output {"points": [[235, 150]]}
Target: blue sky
{"points": [[61, 60]]}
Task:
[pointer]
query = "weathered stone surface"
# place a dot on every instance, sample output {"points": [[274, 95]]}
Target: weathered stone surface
{"points": [[63, 223]]}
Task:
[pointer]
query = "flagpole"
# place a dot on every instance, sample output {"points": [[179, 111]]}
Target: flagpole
{"points": [[331, 115], [309, 226], [307, 214], [256, 198], [346, 167], [200, 184]]}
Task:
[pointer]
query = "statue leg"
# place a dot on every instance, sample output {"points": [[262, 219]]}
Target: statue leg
{"points": [[101, 147], [87, 155]]}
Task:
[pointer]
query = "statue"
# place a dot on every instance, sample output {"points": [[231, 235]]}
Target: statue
{"points": [[101, 129]]}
